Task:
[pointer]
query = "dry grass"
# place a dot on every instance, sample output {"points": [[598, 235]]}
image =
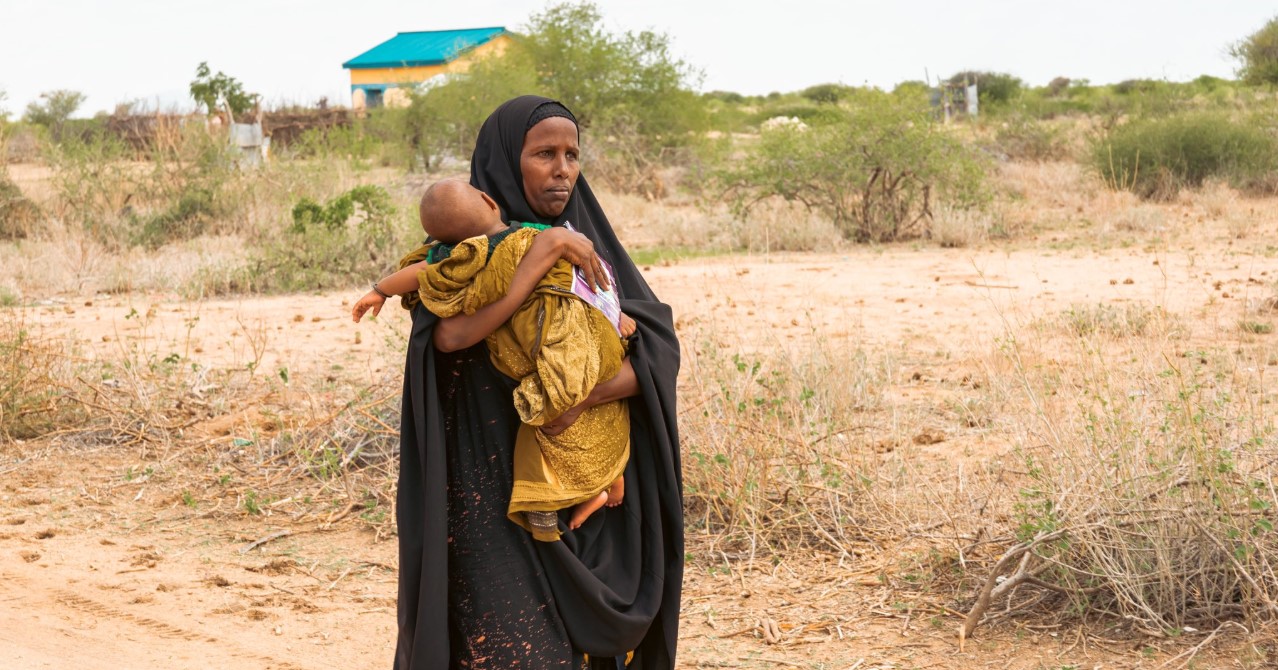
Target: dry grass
{"points": [[1097, 465], [280, 445], [682, 225]]}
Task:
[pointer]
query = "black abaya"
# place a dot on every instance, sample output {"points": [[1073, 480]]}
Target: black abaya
{"points": [[610, 587]]}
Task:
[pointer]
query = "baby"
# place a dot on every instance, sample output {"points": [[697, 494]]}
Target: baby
{"points": [[556, 346]]}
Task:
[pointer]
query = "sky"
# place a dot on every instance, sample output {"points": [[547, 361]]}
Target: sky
{"points": [[291, 51]]}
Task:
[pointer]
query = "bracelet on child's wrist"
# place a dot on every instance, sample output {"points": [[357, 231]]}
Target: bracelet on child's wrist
{"points": [[380, 292]]}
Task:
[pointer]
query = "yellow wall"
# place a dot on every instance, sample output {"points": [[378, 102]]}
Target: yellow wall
{"points": [[416, 75]]}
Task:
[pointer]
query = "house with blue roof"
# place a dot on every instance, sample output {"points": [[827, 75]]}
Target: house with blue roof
{"points": [[386, 73]]}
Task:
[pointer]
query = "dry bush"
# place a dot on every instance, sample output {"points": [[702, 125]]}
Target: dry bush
{"points": [[682, 226], [1217, 202], [962, 227], [768, 439], [18, 215], [1128, 320], [1145, 492], [271, 442], [1144, 219], [36, 378], [1036, 195]]}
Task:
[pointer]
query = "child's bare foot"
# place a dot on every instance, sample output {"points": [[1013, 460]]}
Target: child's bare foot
{"points": [[583, 511], [626, 326], [616, 492]]}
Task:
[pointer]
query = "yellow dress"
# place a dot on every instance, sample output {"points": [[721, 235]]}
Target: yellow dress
{"points": [[558, 348]]}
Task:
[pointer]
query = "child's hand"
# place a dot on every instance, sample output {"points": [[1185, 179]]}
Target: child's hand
{"points": [[370, 301], [627, 326]]}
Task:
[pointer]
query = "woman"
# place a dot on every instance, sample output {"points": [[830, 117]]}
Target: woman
{"points": [[475, 590]]}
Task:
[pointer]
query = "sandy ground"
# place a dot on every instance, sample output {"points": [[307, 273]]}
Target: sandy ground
{"points": [[103, 571], [955, 299]]}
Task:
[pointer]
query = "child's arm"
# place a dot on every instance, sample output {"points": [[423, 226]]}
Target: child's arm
{"points": [[463, 330], [404, 281]]}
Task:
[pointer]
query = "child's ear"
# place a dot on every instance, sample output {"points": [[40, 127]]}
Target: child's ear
{"points": [[492, 204]]}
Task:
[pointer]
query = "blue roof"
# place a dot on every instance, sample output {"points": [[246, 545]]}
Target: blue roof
{"points": [[430, 47]]}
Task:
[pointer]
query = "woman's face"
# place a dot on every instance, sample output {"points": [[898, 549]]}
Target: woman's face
{"points": [[549, 165]]}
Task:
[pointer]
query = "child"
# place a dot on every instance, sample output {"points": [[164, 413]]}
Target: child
{"points": [[557, 346]]}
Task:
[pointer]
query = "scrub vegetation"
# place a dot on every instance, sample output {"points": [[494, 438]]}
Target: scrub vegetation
{"points": [[1105, 464]]}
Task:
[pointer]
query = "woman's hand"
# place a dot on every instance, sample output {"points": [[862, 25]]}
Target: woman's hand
{"points": [[580, 251], [370, 301], [623, 385]]}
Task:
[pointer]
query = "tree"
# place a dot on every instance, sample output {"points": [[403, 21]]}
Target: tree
{"points": [[53, 109], [628, 89], [877, 173], [991, 87], [214, 91], [1258, 55]]}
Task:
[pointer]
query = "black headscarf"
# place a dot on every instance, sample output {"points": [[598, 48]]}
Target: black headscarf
{"points": [[618, 579]]}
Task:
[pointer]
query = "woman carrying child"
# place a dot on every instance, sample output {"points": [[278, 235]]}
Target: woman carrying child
{"points": [[475, 590]]}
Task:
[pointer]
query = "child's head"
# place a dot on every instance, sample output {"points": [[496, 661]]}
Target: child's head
{"points": [[452, 210]]}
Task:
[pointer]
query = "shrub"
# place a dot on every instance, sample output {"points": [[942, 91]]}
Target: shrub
{"points": [[371, 203], [1021, 138], [992, 87], [351, 237], [1155, 158], [1258, 55], [187, 218], [215, 91], [35, 377], [877, 173], [1058, 86], [829, 94], [53, 110], [17, 213]]}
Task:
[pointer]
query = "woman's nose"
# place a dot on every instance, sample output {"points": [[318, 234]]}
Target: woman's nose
{"points": [[561, 165]]}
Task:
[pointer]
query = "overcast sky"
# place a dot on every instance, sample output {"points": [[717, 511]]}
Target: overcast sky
{"points": [[292, 50]]}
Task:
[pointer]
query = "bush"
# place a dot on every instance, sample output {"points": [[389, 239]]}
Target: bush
{"points": [[992, 87], [186, 219], [353, 236], [1024, 139], [828, 94], [18, 215], [53, 110], [1057, 86], [371, 203], [1155, 158], [1258, 55], [877, 174], [36, 376]]}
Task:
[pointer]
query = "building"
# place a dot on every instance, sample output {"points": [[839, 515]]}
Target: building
{"points": [[382, 75]]}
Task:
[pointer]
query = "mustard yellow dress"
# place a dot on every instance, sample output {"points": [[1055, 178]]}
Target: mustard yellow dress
{"points": [[558, 348]]}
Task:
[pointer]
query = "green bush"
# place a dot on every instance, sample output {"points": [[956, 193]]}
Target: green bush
{"points": [[185, 219], [876, 174], [1155, 158], [803, 110], [1258, 55], [992, 87], [352, 237], [371, 203], [828, 94], [53, 110]]}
